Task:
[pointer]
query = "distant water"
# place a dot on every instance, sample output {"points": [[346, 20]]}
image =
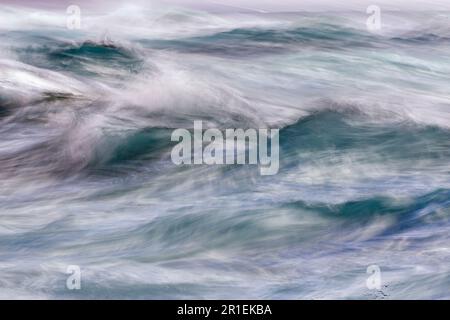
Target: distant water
{"points": [[86, 177]]}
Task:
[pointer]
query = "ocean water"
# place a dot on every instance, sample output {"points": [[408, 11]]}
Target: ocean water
{"points": [[86, 176]]}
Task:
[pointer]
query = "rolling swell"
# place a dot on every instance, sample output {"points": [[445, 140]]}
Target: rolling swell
{"points": [[250, 42]]}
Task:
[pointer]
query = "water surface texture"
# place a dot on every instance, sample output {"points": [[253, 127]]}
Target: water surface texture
{"points": [[86, 176]]}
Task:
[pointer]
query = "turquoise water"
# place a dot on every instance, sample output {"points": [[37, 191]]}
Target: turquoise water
{"points": [[86, 175]]}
